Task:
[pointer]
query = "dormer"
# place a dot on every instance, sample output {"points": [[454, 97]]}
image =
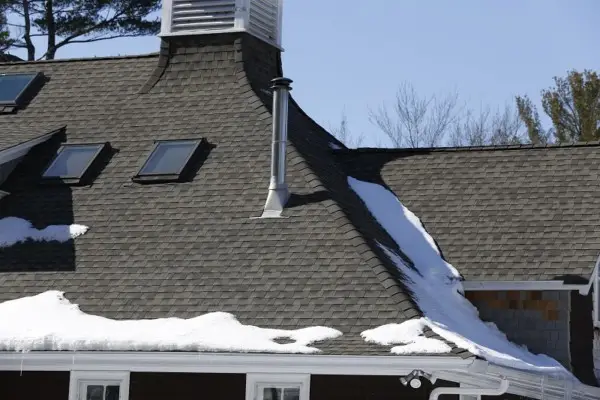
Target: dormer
{"points": [[261, 18]]}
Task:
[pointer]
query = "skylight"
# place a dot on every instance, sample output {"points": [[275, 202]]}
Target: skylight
{"points": [[168, 160], [14, 86], [72, 161]]}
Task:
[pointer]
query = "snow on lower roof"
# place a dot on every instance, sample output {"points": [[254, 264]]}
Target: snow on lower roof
{"points": [[48, 321], [409, 334], [436, 288], [14, 230]]}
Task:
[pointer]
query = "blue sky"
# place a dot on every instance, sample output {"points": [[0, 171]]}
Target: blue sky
{"points": [[353, 55]]}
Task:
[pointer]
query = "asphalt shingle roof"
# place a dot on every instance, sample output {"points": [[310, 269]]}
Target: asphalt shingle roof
{"points": [[183, 249], [15, 135], [499, 214]]}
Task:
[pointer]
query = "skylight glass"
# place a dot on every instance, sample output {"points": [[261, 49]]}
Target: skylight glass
{"points": [[169, 158], [72, 161], [12, 87]]}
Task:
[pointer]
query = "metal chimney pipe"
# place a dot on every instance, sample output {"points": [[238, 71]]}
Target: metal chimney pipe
{"points": [[278, 188]]}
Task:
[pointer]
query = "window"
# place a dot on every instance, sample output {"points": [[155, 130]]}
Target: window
{"points": [[281, 393], [14, 86], [277, 387], [73, 161], [168, 160], [91, 385]]}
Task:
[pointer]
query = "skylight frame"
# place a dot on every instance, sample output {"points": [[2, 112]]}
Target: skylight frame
{"points": [[74, 179], [141, 176], [17, 100]]}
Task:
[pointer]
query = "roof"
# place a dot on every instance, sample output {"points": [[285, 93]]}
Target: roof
{"points": [[15, 135], [184, 249], [510, 213]]}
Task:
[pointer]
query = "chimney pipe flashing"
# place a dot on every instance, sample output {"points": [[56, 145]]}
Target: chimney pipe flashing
{"points": [[278, 189]]}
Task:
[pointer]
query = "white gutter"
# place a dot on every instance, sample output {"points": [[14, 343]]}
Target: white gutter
{"points": [[465, 391], [524, 383], [524, 285], [228, 363]]}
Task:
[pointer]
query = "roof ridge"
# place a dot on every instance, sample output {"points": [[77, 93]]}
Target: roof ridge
{"points": [[594, 143], [81, 59]]}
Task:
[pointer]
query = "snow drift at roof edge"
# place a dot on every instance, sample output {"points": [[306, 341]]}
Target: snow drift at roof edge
{"points": [[437, 289], [50, 322]]}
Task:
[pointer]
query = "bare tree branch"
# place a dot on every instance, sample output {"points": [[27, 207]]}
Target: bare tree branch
{"points": [[416, 121], [343, 134]]}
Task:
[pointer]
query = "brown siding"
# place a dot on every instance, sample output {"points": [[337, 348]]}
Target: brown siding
{"points": [[537, 319], [171, 386], [34, 385], [324, 387]]}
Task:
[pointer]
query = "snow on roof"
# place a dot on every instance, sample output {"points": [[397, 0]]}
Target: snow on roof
{"points": [[48, 321], [409, 335], [436, 288], [14, 230]]}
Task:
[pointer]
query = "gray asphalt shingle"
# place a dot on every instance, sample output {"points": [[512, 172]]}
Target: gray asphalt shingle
{"points": [[183, 249], [499, 214]]}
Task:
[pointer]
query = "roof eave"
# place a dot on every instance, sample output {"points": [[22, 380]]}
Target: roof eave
{"points": [[229, 363]]}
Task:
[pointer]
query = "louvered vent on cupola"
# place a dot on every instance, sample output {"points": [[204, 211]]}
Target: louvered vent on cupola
{"points": [[262, 18]]}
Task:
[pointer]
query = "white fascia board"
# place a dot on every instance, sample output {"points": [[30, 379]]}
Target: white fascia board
{"points": [[523, 285], [20, 150], [227, 363]]}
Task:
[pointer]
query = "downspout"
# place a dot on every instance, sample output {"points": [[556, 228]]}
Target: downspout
{"points": [[436, 393], [278, 188]]}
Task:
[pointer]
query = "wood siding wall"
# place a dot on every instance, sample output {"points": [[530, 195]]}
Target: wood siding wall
{"points": [[325, 387], [29, 385], [175, 386], [183, 386]]}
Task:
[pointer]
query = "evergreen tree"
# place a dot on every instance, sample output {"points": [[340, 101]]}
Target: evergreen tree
{"points": [[5, 41], [65, 22]]}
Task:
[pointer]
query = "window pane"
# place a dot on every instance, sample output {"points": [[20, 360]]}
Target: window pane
{"points": [[168, 157], [12, 85], [291, 394], [272, 394], [71, 161], [112, 393], [95, 392]]}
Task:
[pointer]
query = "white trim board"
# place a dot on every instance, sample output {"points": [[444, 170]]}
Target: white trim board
{"points": [[256, 383], [227, 363], [523, 285], [80, 379]]}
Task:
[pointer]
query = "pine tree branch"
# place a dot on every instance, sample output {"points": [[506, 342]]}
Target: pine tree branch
{"points": [[105, 38]]}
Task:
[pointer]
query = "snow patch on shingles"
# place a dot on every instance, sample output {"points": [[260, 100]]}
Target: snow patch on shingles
{"points": [[409, 334], [436, 287], [14, 230], [48, 321]]}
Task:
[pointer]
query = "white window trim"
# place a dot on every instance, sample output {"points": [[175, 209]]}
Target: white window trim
{"points": [[101, 378], [256, 381]]}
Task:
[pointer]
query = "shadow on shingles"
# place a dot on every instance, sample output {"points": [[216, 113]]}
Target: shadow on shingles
{"points": [[297, 200], [42, 205]]}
